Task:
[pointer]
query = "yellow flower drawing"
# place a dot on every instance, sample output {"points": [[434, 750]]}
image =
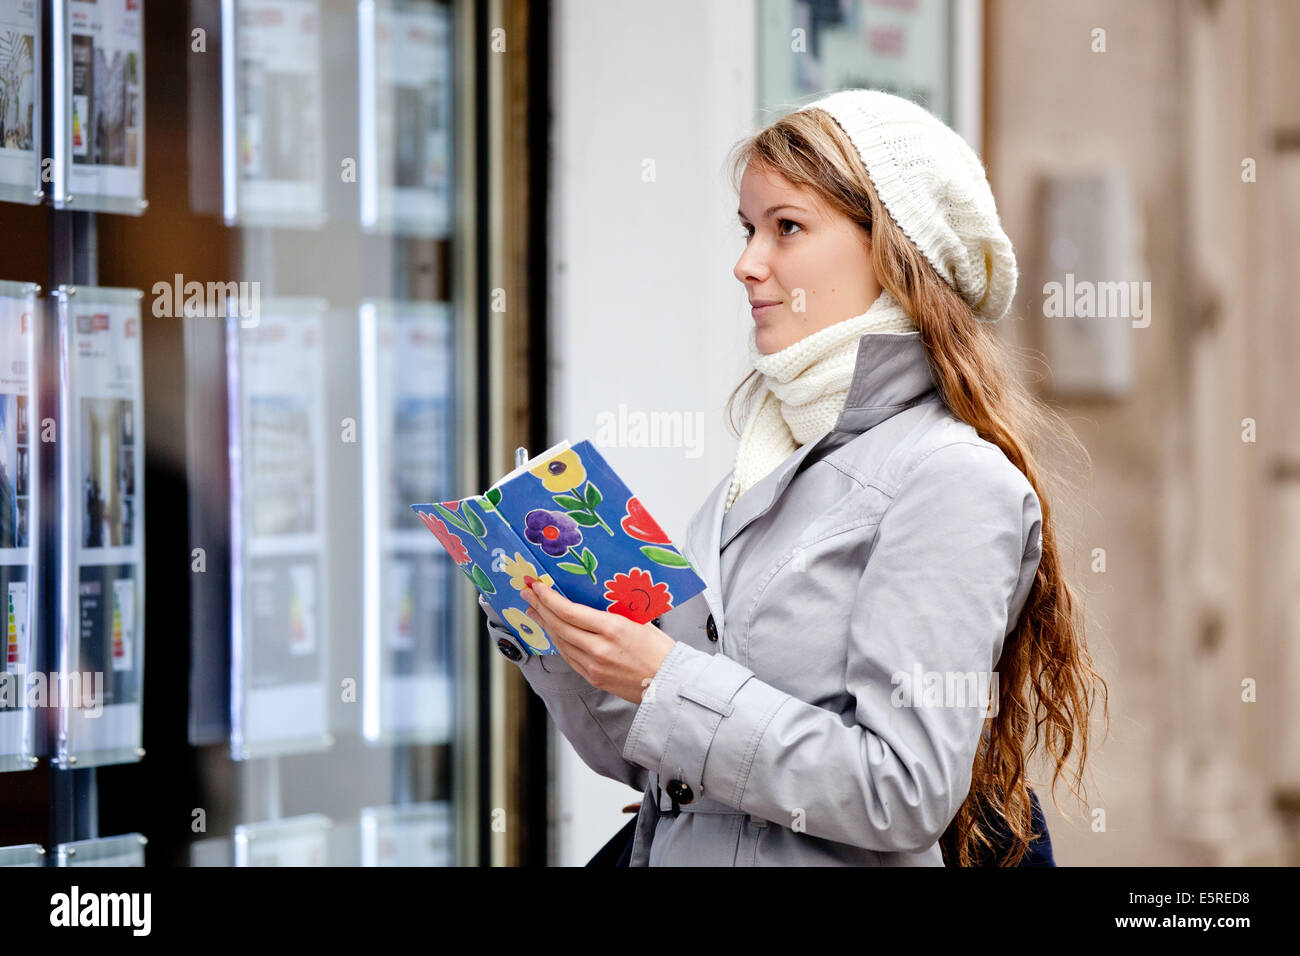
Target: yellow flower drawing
{"points": [[562, 472], [527, 628], [521, 566]]}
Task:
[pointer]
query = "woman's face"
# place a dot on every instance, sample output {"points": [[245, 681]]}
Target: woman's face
{"points": [[805, 266]]}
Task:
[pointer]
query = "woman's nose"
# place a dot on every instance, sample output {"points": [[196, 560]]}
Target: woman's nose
{"points": [[751, 266]]}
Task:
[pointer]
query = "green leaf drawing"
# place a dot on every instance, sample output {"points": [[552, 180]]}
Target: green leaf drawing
{"points": [[476, 527], [489, 501], [450, 518], [482, 580], [665, 557], [588, 560], [571, 567], [584, 519], [568, 501], [593, 495]]}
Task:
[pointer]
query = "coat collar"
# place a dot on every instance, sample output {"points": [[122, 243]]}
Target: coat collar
{"points": [[891, 373]]}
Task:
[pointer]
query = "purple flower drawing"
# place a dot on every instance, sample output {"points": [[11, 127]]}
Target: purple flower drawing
{"points": [[555, 531]]}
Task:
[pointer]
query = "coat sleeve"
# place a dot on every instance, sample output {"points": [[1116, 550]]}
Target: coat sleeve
{"points": [[595, 722], [952, 558]]}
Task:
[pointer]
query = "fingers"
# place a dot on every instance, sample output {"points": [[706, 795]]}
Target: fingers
{"points": [[572, 655], [542, 610], [586, 619]]}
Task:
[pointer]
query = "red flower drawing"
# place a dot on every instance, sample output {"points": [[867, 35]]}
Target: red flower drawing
{"points": [[448, 540], [638, 523], [637, 597]]}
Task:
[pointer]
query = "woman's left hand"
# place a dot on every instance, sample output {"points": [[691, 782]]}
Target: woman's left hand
{"points": [[610, 651]]}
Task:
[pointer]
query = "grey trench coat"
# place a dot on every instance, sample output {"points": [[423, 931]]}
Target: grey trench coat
{"points": [[827, 691]]}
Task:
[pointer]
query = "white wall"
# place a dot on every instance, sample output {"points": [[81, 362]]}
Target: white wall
{"points": [[645, 310]]}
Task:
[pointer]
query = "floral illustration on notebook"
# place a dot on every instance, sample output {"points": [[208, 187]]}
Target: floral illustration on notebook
{"points": [[565, 518]]}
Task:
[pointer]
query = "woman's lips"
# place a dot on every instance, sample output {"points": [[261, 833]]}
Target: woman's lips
{"points": [[760, 308]]}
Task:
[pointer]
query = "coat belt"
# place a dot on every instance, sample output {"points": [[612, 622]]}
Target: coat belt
{"points": [[695, 806]]}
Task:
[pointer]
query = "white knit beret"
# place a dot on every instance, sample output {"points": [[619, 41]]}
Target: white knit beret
{"points": [[936, 189]]}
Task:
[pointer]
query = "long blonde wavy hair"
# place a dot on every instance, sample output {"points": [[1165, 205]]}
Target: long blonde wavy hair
{"points": [[1045, 675]]}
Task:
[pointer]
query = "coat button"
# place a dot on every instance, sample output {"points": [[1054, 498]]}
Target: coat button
{"points": [[508, 649], [680, 792], [711, 629]]}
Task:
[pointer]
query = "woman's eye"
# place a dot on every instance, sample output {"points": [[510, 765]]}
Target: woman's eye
{"points": [[747, 232]]}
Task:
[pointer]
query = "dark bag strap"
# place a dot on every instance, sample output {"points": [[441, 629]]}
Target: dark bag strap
{"points": [[618, 850]]}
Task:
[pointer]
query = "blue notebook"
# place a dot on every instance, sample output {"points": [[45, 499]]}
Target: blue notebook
{"points": [[564, 517]]}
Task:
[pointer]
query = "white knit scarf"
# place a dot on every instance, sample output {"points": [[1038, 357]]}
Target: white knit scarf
{"points": [[805, 387]]}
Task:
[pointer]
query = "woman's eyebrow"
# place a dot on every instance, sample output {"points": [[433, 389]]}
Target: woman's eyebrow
{"points": [[772, 209]]}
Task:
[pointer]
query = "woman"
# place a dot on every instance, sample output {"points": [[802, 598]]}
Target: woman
{"points": [[886, 617]]}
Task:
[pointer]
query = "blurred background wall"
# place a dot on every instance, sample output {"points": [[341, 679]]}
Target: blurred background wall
{"points": [[1192, 492]]}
